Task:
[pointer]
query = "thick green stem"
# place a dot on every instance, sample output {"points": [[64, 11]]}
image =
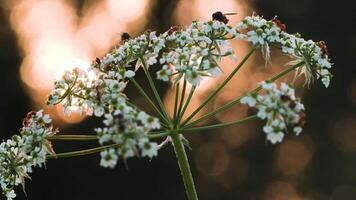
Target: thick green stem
{"points": [[221, 86], [184, 167], [236, 101]]}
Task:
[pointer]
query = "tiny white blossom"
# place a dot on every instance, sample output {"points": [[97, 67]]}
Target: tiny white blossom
{"points": [[10, 195], [149, 149], [275, 137], [99, 111], [129, 74], [248, 100], [164, 73], [108, 158], [193, 77]]}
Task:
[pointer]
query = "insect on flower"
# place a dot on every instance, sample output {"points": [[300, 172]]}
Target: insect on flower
{"points": [[280, 24], [173, 29], [125, 36], [221, 17], [323, 47]]}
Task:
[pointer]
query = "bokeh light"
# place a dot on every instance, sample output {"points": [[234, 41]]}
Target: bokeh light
{"points": [[293, 156], [54, 37]]}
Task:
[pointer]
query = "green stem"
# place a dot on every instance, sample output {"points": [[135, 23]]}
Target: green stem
{"points": [[155, 92], [176, 101], [158, 135], [150, 135], [82, 152], [148, 99], [236, 101], [180, 103], [192, 89], [72, 137], [184, 167], [221, 86], [221, 125]]}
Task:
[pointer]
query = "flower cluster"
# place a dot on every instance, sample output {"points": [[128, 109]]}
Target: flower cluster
{"points": [[19, 154], [128, 128], [135, 51], [116, 65], [99, 92], [263, 33], [279, 106], [195, 52]]}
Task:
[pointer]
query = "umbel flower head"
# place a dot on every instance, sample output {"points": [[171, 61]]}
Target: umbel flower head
{"points": [[99, 92], [103, 96], [280, 108], [264, 34], [23, 152], [189, 54]]}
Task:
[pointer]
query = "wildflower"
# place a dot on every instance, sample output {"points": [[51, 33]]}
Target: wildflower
{"points": [[164, 73], [280, 108], [148, 149], [99, 111], [250, 101], [262, 33], [193, 77], [256, 37], [21, 153], [148, 121], [108, 158]]}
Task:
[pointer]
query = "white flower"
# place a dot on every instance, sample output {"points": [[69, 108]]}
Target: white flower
{"points": [[273, 34], [99, 111], [326, 81], [148, 149], [148, 121], [324, 62], [108, 119], [248, 100], [275, 137], [268, 129], [129, 74], [47, 119], [214, 71], [256, 37], [164, 73], [108, 158], [151, 60], [297, 130], [193, 77], [10, 195]]}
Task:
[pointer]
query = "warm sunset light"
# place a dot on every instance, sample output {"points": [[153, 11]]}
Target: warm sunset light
{"points": [[54, 38]]}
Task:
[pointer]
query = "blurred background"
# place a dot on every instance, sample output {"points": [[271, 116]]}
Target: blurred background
{"points": [[39, 39]]}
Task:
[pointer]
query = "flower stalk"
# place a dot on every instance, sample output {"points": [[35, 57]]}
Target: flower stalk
{"points": [[82, 152], [221, 86], [184, 166], [236, 101]]}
